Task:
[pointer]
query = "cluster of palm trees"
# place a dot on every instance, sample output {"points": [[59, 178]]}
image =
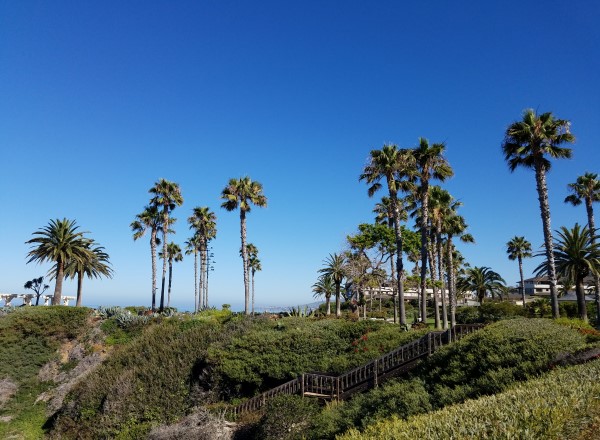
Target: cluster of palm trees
{"points": [[407, 173], [72, 253], [156, 218]]}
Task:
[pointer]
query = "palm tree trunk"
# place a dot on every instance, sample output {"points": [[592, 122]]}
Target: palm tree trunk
{"points": [[60, 274], [195, 280], [338, 308], [542, 189], [253, 292], [164, 271], [592, 228], [440, 260], [452, 283], [206, 269], [399, 262], [170, 278], [581, 305], [328, 304], [424, 235], [153, 254], [245, 261], [522, 279], [201, 280], [433, 273], [79, 287]]}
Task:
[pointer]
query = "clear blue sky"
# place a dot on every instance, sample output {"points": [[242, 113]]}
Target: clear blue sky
{"points": [[98, 100]]}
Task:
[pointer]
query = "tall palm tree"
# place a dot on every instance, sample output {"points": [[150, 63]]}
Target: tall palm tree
{"points": [[576, 255], [58, 242], [587, 189], [173, 255], [517, 249], [324, 287], [430, 164], [242, 193], [454, 226], [93, 265], [204, 222], [481, 280], [254, 265], [335, 268], [191, 247], [396, 166], [166, 195], [529, 143], [150, 219]]}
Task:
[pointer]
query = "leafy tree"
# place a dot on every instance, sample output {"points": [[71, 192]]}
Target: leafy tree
{"points": [[576, 255], [173, 254], [166, 195], [517, 249], [430, 164], [587, 189], [481, 280], [336, 270], [59, 242], [529, 143], [38, 287], [242, 193], [324, 287], [396, 166], [150, 219], [204, 222]]}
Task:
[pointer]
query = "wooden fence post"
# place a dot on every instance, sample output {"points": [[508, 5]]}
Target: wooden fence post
{"points": [[302, 385]]}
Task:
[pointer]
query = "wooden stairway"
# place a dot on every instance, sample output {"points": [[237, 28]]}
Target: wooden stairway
{"points": [[366, 376]]}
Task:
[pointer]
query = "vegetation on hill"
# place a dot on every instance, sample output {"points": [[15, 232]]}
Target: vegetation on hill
{"points": [[562, 405]]}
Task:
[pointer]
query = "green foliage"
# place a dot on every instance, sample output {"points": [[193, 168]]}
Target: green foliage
{"points": [[286, 418], [146, 382], [29, 338], [400, 398], [561, 405], [495, 357], [274, 352], [488, 312]]}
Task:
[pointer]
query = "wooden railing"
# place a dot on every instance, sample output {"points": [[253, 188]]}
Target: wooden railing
{"points": [[365, 376]]}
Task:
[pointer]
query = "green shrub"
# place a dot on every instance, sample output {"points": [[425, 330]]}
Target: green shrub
{"points": [[287, 418], [489, 360], [496, 311], [468, 315], [561, 405]]}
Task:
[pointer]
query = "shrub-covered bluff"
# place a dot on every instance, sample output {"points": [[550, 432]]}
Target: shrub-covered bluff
{"points": [[160, 370]]}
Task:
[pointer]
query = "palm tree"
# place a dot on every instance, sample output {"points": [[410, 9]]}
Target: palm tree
{"points": [[203, 221], [430, 164], [59, 242], [527, 143], [324, 287], [94, 265], [242, 193], [454, 226], [166, 195], [587, 189], [517, 249], [38, 286], [335, 268], [254, 265], [149, 219], [576, 255], [481, 280], [173, 254], [396, 167], [191, 247]]}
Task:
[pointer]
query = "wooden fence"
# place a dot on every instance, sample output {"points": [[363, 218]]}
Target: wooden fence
{"points": [[363, 377]]}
